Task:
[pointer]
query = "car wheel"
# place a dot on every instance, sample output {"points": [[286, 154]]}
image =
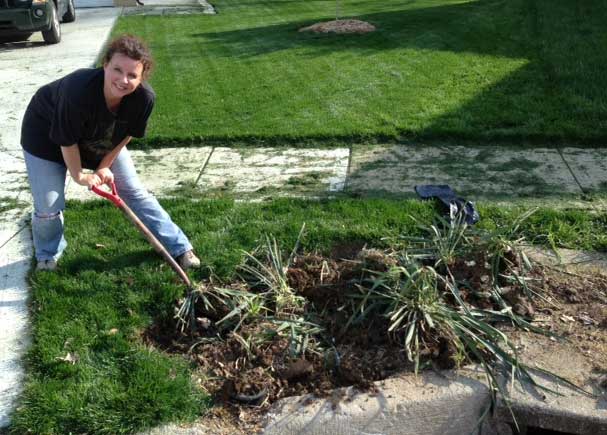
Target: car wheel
{"points": [[70, 14], [53, 35]]}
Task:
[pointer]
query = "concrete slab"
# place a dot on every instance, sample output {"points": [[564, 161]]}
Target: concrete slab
{"points": [[165, 10], [15, 261], [264, 170], [172, 7], [571, 260], [568, 411], [164, 170], [13, 177], [589, 166], [404, 405], [475, 172], [171, 3], [161, 171]]}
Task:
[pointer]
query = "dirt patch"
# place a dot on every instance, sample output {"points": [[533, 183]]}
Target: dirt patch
{"points": [[340, 26], [576, 311], [247, 370]]}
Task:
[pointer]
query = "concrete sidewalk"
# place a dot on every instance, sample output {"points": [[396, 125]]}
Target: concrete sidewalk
{"points": [[567, 177]]}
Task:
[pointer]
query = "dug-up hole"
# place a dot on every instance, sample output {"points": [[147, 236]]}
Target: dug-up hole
{"points": [[250, 369]]}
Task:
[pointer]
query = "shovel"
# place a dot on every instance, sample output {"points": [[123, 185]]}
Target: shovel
{"points": [[118, 202]]}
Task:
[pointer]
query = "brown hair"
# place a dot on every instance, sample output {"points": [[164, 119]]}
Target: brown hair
{"points": [[133, 47]]}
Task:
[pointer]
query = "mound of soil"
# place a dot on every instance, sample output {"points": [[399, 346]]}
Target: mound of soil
{"points": [[340, 26], [241, 373]]}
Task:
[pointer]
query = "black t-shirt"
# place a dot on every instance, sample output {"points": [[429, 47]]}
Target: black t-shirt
{"points": [[72, 110]]}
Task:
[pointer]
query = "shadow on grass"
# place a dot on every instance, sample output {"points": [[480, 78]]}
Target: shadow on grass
{"points": [[559, 84], [444, 28], [89, 262]]}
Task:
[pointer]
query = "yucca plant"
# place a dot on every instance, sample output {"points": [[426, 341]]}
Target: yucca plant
{"points": [[412, 298], [206, 293], [301, 335], [266, 271], [269, 274], [442, 243], [239, 304], [504, 248], [408, 296], [250, 342], [243, 306]]}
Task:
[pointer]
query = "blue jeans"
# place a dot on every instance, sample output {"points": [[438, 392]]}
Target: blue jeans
{"points": [[47, 182]]}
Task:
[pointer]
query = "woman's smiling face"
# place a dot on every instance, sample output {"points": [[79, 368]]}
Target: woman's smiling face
{"points": [[122, 75]]}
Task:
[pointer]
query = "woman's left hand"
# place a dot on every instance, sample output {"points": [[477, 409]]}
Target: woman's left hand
{"points": [[105, 174]]}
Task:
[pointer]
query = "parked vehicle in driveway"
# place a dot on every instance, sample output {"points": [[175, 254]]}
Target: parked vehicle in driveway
{"points": [[24, 17]]}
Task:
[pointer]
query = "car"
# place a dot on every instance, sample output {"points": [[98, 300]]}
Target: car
{"points": [[21, 18]]}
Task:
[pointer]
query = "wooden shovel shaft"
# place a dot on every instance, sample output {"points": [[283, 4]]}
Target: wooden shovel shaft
{"points": [[154, 242]]}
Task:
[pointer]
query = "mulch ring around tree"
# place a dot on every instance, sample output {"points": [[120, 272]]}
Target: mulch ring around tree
{"points": [[250, 366], [340, 26]]}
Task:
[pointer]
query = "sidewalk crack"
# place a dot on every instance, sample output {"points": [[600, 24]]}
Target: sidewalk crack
{"points": [[560, 151], [204, 166], [14, 235], [345, 189]]}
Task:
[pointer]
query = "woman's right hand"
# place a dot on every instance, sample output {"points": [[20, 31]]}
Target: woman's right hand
{"points": [[88, 180]]}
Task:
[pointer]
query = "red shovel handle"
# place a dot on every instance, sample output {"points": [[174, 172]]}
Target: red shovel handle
{"points": [[112, 196]]}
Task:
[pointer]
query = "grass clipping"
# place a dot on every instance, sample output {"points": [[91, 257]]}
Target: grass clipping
{"points": [[340, 27]]}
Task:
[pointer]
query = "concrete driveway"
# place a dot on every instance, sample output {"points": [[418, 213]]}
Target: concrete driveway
{"points": [[24, 67]]}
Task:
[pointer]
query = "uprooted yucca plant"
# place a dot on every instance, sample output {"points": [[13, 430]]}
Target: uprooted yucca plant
{"points": [[500, 251], [266, 270], [412, 297], [206, 293], [508, 262], [442, 243], [408, 297]]}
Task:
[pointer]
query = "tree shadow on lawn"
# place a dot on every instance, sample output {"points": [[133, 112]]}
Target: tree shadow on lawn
{"points": [[452, 28], [548, 97]]}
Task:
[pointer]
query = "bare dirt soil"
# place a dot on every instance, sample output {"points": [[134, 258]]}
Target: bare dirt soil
{"points": [[340, 26], [246, 380]]}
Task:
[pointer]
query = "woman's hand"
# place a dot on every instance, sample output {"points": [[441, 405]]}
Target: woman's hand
{"points": [[88, 180], [105, 175]]}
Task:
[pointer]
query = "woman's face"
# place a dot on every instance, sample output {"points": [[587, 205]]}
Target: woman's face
{"points": [[122, 75]]}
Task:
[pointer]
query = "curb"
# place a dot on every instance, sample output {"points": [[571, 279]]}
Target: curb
{"points": [[448, 403], [429, 403]]}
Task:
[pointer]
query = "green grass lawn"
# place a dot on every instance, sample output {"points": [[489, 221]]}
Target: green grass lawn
{"points": [[90, 371], [482, 70]]}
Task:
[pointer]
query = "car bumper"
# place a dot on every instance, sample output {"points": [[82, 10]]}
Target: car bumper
{"points": [[24, 20]]}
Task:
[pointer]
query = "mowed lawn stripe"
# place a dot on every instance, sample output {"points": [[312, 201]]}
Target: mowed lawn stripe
{"points": [[481, 70]]}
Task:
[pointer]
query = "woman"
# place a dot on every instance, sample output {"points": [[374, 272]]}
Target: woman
{"points": [[85, 120]]}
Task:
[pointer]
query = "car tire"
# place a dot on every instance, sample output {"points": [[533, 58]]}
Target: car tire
{"points": [[70, 14], [53, 35]]}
